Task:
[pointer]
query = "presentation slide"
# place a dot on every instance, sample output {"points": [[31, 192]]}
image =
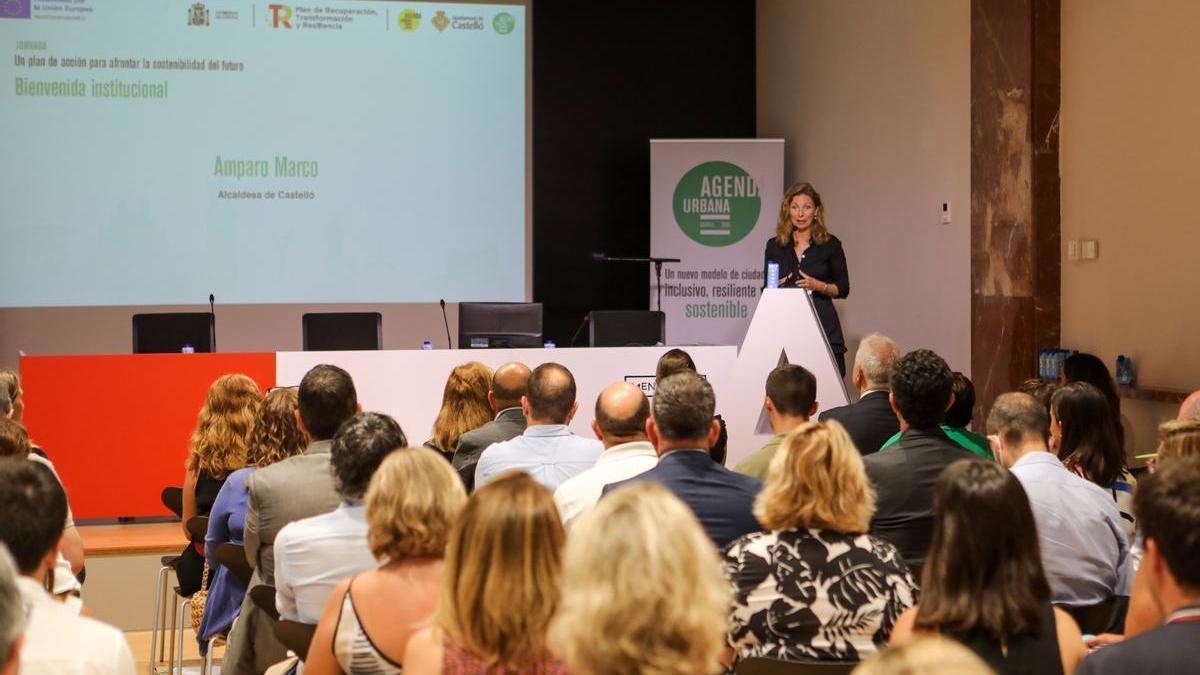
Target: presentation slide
{"points": [[334, 151]]}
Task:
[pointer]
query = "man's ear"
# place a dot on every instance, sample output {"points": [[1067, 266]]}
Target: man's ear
{"points": [[812, 410], [357, 408], [596, 430], [768, 404], [892, 402], [574, 409], [492, 400], [300, 424], [951, 403], [652, 432], [714, 432], [525, 406]]}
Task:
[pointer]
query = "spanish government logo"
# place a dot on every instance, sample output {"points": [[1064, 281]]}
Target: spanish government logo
{"points": [[408, 20], [440, 20], [716, 203], [504, 23], [198, 15], [15, 9]]}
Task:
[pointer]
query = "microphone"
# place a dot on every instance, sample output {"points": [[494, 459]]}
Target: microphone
{"points": [[449, 344], [586, 317], [599, 257], [212, 311]]}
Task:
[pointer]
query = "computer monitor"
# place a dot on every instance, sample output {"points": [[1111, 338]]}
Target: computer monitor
{"points": [[170, 332], [626, 328], [342, 331], [499, 324]]}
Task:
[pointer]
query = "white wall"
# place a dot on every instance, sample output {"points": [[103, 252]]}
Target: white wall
{"points": [[873, 99]]}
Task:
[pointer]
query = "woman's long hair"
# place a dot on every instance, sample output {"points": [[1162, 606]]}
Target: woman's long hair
{"points": [[783, 227], [984, 571], [1089, 442], [1089, 368], [502, 574], [275, 435], [219, 443], [464, 404]]}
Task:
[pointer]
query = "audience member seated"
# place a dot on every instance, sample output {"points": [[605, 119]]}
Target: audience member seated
{"points": [[815, 585], [642, 589], [273, 438], [1167, 504], [870, 420], [958, 420], [1177, 439], [464, 407], [1089, 368], [1083, 547], [286, 491], [677, 361], [904, 474], [1082, 433], [681, 428], [547, 449], [12, 615], [1041, 390], [983, 583], [56, 639], [10, 383], [217, 448], [925, 656], [504, 398], [412, 502], [14, 442], [791, 399], [500, 586], [1190, 408], [620, 424], [313, 555]]}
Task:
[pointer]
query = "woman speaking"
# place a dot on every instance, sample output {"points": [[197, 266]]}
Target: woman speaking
{"points": [[811, 258]]}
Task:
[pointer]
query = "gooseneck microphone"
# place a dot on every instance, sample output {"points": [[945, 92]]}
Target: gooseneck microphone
{"points": [[212, 311], [446, 322], [586, 317]]}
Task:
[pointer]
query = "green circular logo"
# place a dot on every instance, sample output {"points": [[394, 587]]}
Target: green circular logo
{"points": [[504, 23], [408, 20], [717, 203]]}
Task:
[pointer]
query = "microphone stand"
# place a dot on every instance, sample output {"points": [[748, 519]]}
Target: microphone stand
{"points": [[658, 265]]}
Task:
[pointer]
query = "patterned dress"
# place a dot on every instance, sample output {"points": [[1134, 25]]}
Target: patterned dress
{"points": [[815, 594]]}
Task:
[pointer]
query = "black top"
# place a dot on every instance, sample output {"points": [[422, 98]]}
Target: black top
{"points": [[824, 262], [1032, 654], [870, 421], [1173, 648]]}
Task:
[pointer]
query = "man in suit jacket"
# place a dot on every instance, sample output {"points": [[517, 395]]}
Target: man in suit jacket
{"points": [[870, 420], [682, 429], [904, 473], [509, 384], [1167, 506], [295, 488]]}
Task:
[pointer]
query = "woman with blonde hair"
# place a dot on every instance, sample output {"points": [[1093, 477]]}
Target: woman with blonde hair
{"points": [[815, 586], [273, 438], [811, 258], [412, 503], [216, 449], [464, 406], [500, 586], [925, 656], [1177, 439], [642, 589]]}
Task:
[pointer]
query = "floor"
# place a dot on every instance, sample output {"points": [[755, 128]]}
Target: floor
{"points": [[139, 644]]}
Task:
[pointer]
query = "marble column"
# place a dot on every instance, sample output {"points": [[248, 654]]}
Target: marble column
{"points": [[1015, 214]]}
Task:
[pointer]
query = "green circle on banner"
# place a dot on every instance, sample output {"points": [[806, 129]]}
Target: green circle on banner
{"points": [[504, 23], [716, 203]]}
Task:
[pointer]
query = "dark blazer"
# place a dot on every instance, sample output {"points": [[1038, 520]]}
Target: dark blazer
{"points": [[509, 424], [1173, 648], [903, 476], [870, 421], [722, 500]]}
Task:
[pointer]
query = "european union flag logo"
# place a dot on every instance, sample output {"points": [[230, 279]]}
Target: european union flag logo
{"points": [[15, 9]]}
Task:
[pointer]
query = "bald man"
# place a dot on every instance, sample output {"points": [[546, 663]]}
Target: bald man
{"points": [[621, 413], [508, 386], [1190, 410]]}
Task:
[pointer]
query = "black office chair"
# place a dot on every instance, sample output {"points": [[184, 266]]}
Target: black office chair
{"points": [[342, 331], [233, 557], [172, 498], [1093, 619], [761, 665], [263, 597], [626, 328], [168, 333], [295, 636]]}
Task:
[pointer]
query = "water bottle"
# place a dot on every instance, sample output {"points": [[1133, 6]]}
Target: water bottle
{"points": [[772, 275], [188, 348], [1043, 371], [426, 346], [549, 344]]}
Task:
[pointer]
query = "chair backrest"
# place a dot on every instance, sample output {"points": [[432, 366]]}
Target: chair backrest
{"points": [[233, 557], [168, 332], [1093, 619], [342, 331], [761, 665], [197, 526], [172, 498], [499, 324], [263, 597], [295, 636], [626, 327]]}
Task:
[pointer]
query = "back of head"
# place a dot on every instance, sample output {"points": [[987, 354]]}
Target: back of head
{"points": [[922, 384], [551, 393], [816, 480], [1178, 439], [642, 589], [671, 362], [1190, 408], [35, 509], [10, 389], [792, 390], [326, 399], [1089, 368], [275, 435], [218, 445], [963, 408], [1041, 390], [987, 579], [6, 405], [464, 404], [683, 407], [925, 656], [359, 447], [621, 412], [413, 500], [876, 356], [1089, 436], [503, 564], [1167, 507], [509, 384], [12, 609], [1018, 418], [14, 440]]}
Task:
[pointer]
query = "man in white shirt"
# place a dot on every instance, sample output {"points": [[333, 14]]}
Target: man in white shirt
{"points": [[621, 413], [56, 639], [12, 615], [313, 554]]}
